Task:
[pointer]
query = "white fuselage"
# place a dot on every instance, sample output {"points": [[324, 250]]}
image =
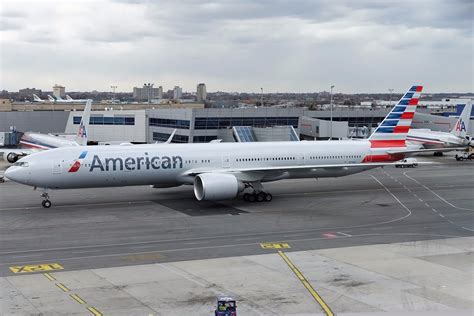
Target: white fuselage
{"points": [[171, 165], [434, 139], [40, 141]]}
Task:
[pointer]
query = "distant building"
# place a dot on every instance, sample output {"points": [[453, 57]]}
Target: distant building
{"points": [[28, 93], [201, 94], [59, 92], [177, 93], [147, 93], [160, 92]]}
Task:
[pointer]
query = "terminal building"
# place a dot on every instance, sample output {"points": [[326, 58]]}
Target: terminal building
{"points": [[147, 123]]}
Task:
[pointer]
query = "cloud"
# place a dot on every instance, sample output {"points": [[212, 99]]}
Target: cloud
{"points": [[300, 45]]}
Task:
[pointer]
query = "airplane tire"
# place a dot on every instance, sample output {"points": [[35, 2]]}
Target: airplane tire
{"points": [[261, 197], [46, 203], [268, 197], [246, 197], [252, 198]]}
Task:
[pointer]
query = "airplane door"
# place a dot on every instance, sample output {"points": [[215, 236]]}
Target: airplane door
{"points": [[226, 162], [57, 167], [301, 159]]}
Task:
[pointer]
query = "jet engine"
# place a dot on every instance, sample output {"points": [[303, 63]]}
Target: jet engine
{"points": [[11, 157], [216, 186]]}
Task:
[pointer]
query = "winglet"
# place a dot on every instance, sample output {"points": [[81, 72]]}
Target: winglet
{"points": [[171, 137]]}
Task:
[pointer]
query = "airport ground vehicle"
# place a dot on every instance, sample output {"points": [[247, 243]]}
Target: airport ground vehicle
{"points": [[407, 163], [464, 156], [226, 306]]}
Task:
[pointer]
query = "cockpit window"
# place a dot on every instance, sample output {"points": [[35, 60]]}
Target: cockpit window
{"points": [[21, 164]]}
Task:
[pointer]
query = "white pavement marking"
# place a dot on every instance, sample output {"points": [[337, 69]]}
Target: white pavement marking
{"points": [[434, 210], [472, 230], [197, 242], [436, 194], [441, 215], [86, 251], [232, 245], [393, 195], [27, 256], [344, 234], [124, 203]]}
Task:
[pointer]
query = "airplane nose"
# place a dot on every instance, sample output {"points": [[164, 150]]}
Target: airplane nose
{"points": [[17, 174]]}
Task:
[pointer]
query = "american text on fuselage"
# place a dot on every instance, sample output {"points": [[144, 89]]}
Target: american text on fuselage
{"points": [[136, 163]]}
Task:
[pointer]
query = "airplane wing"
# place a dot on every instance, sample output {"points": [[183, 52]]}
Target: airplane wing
{"points": [[273, 169], [425, 150]]}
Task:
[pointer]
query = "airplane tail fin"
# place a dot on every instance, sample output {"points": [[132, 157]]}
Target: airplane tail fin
{"points": [[393, 130], [462, 124], [171, 137], [50, 98], [69, 98], [37, 98], [83, 132]]}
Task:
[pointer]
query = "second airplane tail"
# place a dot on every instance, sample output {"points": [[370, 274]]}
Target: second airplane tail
{"points": [[462, 124], [83, 132]]}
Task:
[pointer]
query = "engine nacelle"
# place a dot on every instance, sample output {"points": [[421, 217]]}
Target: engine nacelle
{"points": [[216, 186], [11, 157]]}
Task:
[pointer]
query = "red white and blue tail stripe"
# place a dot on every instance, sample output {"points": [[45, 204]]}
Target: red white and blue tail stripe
{"points": [[393, 130]]}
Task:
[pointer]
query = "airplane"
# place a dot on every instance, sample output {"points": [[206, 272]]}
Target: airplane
{"points": [[33, 142], [37, 98], [69, 99], [218, 171], [457, 138], [51, 99]]}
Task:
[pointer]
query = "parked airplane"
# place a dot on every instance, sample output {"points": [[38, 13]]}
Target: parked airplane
{"points": [[218, 171], [69, 99], [51, 99], [456, 139], [33, 142], [37, 98]]}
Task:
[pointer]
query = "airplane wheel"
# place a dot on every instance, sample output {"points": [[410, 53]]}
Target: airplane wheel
{"points": [[268, 197], [252, 198], [46, 203], [246, 197], [261, 197]]}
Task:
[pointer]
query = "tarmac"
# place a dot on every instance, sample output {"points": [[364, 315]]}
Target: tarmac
{"points": [[385, 241]]}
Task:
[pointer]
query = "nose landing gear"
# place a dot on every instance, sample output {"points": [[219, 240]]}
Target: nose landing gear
{"points": [[46, 202]]}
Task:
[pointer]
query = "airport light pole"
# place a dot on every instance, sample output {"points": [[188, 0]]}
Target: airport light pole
{"points": [[330, 136], [390, 100], [148, 87], [113, 93], [261, 99]]}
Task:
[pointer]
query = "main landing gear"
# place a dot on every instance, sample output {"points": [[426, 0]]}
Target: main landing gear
{"points": [[258, 195], [46, 202]]}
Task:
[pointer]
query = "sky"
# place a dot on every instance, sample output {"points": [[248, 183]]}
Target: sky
{"points": [[238, 45]]}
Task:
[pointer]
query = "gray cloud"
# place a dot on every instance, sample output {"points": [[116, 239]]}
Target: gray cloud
{"points": [[300, 45]]}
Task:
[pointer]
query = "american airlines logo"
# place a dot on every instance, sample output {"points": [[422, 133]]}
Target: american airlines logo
{"points": [[460, 126], [82, 131], [77, 164], [136, 163]]}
